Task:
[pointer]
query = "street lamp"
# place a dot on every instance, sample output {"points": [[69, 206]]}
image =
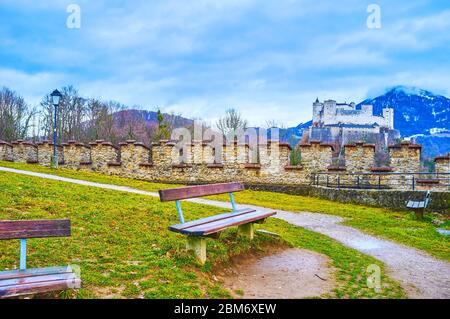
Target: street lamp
{"points": [[56, 98]]}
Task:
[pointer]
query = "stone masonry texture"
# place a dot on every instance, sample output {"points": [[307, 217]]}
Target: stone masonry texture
{"points": [[203, 162]]}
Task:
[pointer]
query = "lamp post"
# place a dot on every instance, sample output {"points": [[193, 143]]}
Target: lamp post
{"points": [[56, 97]]}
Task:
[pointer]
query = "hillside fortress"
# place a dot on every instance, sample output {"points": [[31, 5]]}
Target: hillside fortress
{"points": [[342, 123], [329, 113]]}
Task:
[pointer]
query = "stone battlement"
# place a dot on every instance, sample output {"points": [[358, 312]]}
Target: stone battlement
{"points": [[204, 162], [442, 163]]}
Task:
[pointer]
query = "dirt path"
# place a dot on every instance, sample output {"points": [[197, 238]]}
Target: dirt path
{"points": [[421, 275], [289, 274]]}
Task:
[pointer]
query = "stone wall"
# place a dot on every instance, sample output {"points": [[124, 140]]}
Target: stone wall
{"points": [[359, 157], [442, 163], [24, 152], [103, 156], [204, 162], [316, 156], [133, 157], [405, 157], [6, 151], [76, 154], [45, 153]]}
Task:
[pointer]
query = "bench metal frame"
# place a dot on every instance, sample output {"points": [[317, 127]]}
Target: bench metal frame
{"points": [[180, 211]]}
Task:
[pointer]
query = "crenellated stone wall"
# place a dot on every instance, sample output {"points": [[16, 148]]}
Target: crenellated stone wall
{"points": [[359, 157], [24, 152], [103, 156], [442, 163], [205, 162], [316, 156], [45, 153], [133, 157], [6, 152], [76, 154], [405, 157]]}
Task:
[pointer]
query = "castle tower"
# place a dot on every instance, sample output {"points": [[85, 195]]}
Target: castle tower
{"points": [[388, 114], [317, 112], [329, 110]]}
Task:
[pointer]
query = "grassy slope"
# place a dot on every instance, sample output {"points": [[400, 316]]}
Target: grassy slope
{"points": [[124, 249], [89, 176], [395, 225]]}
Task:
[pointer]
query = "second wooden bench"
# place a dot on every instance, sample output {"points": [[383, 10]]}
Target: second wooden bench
{"points": [[198, 230]]}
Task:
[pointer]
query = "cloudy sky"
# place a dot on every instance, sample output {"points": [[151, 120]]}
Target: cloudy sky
{"points": [[269, 59]]}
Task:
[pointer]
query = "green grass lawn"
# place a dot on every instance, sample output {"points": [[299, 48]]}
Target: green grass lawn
{"points": [[124, 249], [89, 176]]}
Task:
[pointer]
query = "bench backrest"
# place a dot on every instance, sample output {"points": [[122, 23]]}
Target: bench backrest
{"points": [[173, 194], [22, 229]]}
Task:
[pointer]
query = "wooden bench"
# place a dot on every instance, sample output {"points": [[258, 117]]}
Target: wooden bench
{"points": [[198, 230], [25, 281], [418, 207]]}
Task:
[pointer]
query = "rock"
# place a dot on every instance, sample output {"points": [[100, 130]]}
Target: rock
{"points": [[437, 222]]}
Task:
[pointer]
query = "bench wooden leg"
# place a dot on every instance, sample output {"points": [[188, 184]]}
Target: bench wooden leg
{"points": [[419, 213], [246, 230], [198, 245]]}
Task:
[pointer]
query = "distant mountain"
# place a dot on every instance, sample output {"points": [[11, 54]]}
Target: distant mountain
{"points": [[434, 145], [143, 123], [150, 117], [416, 111], [293, 134]]}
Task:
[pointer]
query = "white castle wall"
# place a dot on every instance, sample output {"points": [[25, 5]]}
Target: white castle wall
{"points": [[331, 113]]}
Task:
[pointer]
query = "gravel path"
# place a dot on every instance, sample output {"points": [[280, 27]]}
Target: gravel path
{"points": [[421, 275]]}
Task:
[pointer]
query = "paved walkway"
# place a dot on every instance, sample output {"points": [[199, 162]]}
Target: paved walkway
{"points": [[421, 275]]}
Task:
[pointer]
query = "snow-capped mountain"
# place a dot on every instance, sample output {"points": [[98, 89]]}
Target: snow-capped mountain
{"points": [[416, 111]]}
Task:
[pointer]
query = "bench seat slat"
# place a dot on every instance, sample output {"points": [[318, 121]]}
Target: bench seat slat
{"points": [[210, 219], [214, 227], [10, 274], [36, 279], [38, 287], [417, 204]]}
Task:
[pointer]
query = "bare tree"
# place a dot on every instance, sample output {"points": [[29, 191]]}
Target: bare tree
{"points": [[100, 121], [231, 123], [71, 115], [82, 119], [15, 115]]}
